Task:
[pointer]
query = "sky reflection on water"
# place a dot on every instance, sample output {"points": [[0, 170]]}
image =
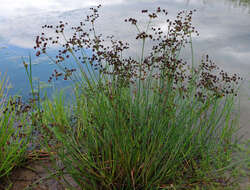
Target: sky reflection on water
{"points": [[223, 25]]}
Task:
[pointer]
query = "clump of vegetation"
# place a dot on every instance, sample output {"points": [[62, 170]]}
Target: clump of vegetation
{"points": [[155, 122], [152, 123], [14, 131]]}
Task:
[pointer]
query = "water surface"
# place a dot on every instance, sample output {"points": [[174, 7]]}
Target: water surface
{"points": [[224, 28]]}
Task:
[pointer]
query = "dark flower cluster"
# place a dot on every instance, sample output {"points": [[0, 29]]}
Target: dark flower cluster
{"points": [[18, 106], [107, 53], [216, 81]]}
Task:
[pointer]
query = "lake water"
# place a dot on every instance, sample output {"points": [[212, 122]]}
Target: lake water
{"points": [[224, 28]]}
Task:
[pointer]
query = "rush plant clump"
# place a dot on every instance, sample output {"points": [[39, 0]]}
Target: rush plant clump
{"points": [[155, 122], [14, 131]]}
